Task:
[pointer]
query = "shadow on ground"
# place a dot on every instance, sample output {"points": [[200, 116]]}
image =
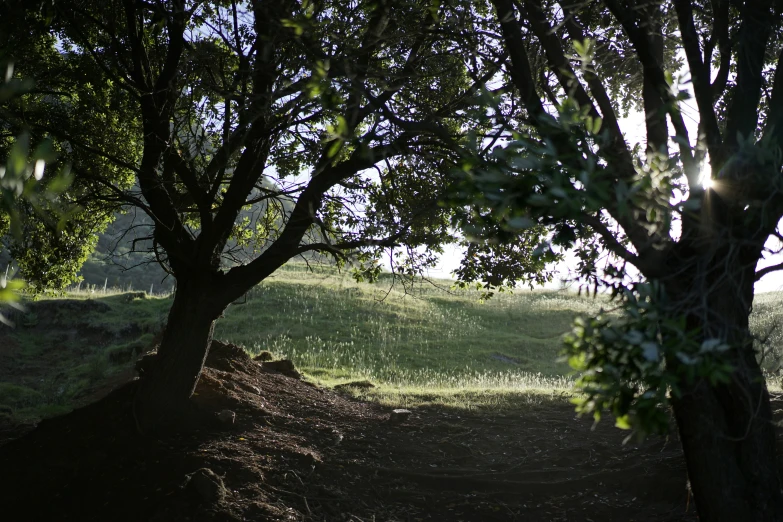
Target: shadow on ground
{"points": [[297, 452]]}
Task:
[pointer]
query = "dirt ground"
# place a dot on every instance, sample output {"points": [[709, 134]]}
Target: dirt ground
{"points": [[296, 452]]}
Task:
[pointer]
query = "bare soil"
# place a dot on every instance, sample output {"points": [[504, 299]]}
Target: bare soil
{"points": [[297, 452]]}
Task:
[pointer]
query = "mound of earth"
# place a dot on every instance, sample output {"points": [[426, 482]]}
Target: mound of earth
{"points": [[298, 452]]}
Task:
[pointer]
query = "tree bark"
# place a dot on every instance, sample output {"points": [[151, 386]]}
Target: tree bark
{"points": [[726, 430], [163, 397], [729, 445]]}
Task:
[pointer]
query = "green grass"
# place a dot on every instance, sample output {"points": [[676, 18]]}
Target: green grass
{"points": [[422, 344], [60, 353], [410, 342], [765, 323], [16, 396]]}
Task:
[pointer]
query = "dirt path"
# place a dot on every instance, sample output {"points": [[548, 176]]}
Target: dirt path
{"points": [[538, 464], [301, 453]]}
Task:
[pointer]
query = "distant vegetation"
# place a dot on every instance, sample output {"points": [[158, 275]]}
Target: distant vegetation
{"points": [[123, 258]]}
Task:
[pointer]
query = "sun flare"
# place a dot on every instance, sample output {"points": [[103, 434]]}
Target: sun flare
{"points": [[706, 175]]}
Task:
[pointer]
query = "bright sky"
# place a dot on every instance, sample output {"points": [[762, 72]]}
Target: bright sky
{"points": [[634, 130]]}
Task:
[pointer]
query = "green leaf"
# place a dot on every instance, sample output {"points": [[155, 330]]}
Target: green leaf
{"points": [[334, 148]]}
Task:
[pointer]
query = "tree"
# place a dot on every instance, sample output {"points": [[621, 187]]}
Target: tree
{"points": [[573, 70], [52, 231], [343, 117], [23, 189]]}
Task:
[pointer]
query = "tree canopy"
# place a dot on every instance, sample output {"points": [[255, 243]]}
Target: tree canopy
{"points": [[339, 123], [23, 190]]}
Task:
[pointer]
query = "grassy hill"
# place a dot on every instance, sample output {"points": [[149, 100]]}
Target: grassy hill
{"points": [[420, 340], [425, 343]]}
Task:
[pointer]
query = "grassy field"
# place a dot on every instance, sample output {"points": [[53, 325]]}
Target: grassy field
{"points": [[413, 343], [426, 343]]}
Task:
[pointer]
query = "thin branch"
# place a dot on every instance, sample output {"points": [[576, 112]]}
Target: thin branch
{"points": [[193, 187], [598, 91], [558, 63], [610, 240], [767, 270], [345, 246], [75, 142]]}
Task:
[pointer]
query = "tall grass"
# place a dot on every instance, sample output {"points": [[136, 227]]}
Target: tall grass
{"points": [[421, 342], [417, 337]]}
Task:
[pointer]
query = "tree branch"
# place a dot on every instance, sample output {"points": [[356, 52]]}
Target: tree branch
{"points": [[720, 27], [558, 63], [701, 80], [598, 91], [193, 187], [175, 25], [653, 70], [343, 246], [238, 279], [653, 101], [610, 240], [774, 125], [754, 32], [519, 68], [768, 270], [523, 80], [269, 32], [141, 73]]}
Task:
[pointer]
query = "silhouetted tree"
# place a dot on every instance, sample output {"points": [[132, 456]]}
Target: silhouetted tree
{"points": [[573, 70]]}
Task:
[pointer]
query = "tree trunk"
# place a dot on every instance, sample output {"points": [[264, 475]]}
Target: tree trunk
{"points": [[162, 401], [729, 445], [726, 430]]}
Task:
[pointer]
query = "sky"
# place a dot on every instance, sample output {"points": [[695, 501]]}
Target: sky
{"points": [[634, 129]]}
